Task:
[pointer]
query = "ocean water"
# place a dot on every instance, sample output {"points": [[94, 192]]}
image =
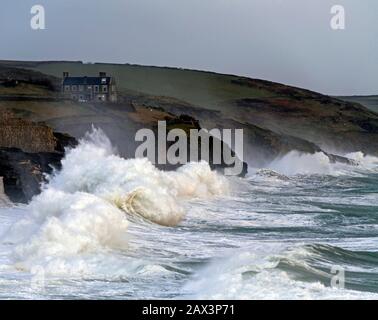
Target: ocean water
{"points": [[109, 228]]}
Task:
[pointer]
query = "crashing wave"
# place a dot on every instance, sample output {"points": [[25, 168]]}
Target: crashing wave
{"points": [[298, 163], [363, 160], [61, 224], [134, 185], [83, 206]]}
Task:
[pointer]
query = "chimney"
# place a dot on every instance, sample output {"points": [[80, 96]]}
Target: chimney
{"points": [[65, 74], [102, 74]]}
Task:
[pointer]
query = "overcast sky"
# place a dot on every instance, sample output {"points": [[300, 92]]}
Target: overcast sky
{"points": [[288, 41]]}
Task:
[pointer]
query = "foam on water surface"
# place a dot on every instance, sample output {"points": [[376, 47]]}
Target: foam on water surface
{"points": [[106, 227]]}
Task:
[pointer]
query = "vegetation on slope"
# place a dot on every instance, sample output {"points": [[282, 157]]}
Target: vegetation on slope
{"points": [[276, 118]]}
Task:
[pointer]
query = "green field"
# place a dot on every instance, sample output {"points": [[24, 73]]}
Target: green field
{"points": [[196, 87], [292, 116]]}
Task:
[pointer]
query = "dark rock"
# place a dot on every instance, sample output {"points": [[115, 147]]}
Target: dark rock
{"points": [[64, 141], [339, 159], [24, 172], [28, 151], [187, 123]]}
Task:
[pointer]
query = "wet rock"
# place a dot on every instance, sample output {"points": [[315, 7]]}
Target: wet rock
{"points": [[28, 151], [24, 172]]}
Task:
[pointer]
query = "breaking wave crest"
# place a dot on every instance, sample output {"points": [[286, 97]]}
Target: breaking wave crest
{"points": [[87, 205], [296, 162], [134, 185], [60, 224]]}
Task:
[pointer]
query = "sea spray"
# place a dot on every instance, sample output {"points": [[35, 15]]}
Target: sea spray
{"points": [[365, 161], [266, 241], [86, 206], [296, 162], [61, 225], [302, 163], [134, 185]]}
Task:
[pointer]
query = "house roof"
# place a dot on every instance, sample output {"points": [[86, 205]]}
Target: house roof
{"points": [[69, 81]]}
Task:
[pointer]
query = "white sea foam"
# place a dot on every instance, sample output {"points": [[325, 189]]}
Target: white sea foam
{"points": [[84, 207], [58, 225], [4, 201], [302, 163], [253, 275], [135, 185], [365, 161], [296, 162], [81, 230]]}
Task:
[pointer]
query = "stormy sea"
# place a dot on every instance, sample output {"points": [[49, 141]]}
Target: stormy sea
{"points": [[109, 228]]}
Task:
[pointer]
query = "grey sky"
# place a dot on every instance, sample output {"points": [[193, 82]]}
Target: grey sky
{"points": [[288, 41]]}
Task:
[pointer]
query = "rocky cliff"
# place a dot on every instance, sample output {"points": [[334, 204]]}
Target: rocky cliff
{"points": [[25, 135], [27, 152], [276, 118]]}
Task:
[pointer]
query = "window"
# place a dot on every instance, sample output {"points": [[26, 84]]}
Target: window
{"points": [[96, 88], [74, 97], [105, 89], [81, 88], [74, 88], [89, 88], [66, 88]]}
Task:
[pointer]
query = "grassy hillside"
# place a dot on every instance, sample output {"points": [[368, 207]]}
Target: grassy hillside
{"points": [[276, 117], [195, 87], [370, 102]]}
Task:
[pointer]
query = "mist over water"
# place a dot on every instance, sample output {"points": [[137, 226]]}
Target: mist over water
{"points": [[106, 227]]}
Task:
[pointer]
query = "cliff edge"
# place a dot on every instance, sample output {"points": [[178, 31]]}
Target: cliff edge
{"points": [[28, 151]]}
